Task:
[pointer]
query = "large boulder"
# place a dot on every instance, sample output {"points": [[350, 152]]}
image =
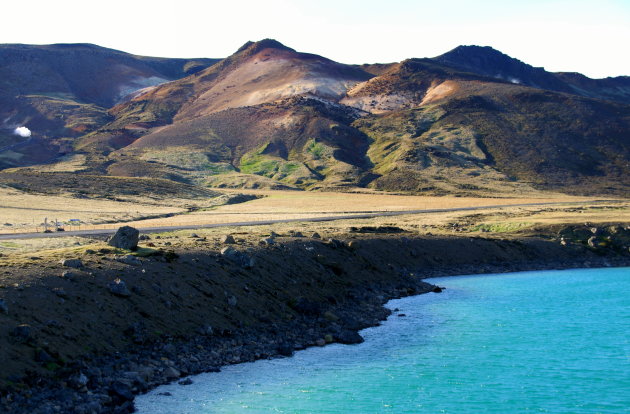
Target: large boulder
{"points": [[125, 238]]}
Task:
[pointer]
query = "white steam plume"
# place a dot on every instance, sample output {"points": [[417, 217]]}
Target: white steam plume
{"points": [[22, 131]]}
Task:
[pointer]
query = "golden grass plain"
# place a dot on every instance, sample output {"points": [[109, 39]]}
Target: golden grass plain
{"points": [[278, 205]]}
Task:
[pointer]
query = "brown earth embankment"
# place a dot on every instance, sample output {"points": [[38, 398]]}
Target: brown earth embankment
{"points": [[76, 340]]}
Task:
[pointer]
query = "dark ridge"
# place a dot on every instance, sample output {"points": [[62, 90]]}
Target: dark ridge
{"points": [[484, 60], [255, 47]]}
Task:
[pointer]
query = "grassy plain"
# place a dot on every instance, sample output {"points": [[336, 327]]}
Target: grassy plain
{"points": [[25, 209]]}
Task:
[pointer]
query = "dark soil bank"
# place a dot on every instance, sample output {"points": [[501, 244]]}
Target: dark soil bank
{"points": [[85, 340]]}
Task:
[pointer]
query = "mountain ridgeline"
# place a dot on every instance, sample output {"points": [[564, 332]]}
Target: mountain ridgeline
{"points": [[471, 121]]}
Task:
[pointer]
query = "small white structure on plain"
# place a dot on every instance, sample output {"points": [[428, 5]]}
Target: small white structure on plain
{"points": [[22, 131]]}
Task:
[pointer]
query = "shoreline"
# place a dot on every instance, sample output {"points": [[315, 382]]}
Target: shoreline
{"points": [[311, 293]]}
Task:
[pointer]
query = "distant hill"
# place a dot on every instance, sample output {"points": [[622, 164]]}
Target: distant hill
{"points": [[471, 121], [490, 62], [64, 91]]}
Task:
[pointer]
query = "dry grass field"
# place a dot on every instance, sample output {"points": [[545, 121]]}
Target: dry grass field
{"points": [[26, 212], [276, 205]]}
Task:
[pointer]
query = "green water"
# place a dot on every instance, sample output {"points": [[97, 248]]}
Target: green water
{"points": [[535, 342]]}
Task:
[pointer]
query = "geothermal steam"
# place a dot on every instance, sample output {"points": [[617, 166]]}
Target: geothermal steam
{"points": [[22, 131]]}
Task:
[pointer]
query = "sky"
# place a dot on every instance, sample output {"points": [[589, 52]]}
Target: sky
{"points": [[586, 36]]}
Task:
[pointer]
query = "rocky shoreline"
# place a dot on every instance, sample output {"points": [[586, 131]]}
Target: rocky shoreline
{"points": [[194, 309]]}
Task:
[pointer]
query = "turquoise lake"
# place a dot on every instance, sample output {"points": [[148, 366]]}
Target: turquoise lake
{"points": [[531, 342]]}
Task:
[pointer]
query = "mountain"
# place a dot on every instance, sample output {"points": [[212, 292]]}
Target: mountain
{"points": [[64, 90], [490, 62], [471, 121]]}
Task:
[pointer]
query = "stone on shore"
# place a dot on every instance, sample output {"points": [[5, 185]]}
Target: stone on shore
{"points": [[126, 237], [349, 337], [171, 373], [121, 390]]}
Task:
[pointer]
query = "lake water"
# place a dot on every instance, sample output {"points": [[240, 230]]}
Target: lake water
{"points": [[535, 342]]}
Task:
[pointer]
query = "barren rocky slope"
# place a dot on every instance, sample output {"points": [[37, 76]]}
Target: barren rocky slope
{"points": [[471, 121], [85, 335]]}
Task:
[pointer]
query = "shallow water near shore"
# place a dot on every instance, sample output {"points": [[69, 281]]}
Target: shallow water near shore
{"points": [[552, 341]]}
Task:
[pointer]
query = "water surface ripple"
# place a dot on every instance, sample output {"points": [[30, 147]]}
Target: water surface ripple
{"points": [[543, 342]]}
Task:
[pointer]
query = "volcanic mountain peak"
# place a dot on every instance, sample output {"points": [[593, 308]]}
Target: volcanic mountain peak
{"points": [[268, 71], [255, 47]]}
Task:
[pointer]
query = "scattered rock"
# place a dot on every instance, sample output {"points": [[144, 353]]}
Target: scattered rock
{"points": [[22, 332], [596, 242], [171, 373], [121, 391], [237, 257], [353, 245], [285, 349], [194, 236], [119, 288], [52, 323], [335, 244], [79, 381], [186, 381], [315, 235], [43, 356], [349, 337], [60, 292], [320, 342], [144, 237], [4, 308], [331, 316], [307, 307], [74, 263], [232, 301], [437, 289], [129, 259], [126, 237], [267, 241], [69, 275], [228, 239]]}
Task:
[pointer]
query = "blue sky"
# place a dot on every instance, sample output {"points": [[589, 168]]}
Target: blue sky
{"points": [[580, 35]]}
